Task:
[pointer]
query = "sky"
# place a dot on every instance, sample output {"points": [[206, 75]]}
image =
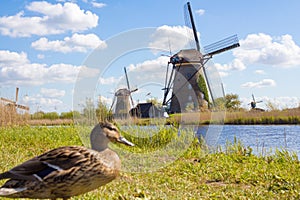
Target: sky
{"points": [[61, 52]]}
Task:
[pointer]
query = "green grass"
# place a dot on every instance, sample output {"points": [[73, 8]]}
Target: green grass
{"points": [[233, 173]]}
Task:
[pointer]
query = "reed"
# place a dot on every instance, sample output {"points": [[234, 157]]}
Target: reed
{"points": [[9, 116]]}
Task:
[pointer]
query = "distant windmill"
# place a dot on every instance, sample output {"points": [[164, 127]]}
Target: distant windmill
{"points": [[187, 66], [253, 103], [123, 101], [14, 104]]}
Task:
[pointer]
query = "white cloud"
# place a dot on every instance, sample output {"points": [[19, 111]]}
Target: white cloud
{"points": [[8, 58], [105, 100], [76, 43], [15, 69], [274, 51], [97, 4], [50, 19], [52, 93], [109, 81], [172, 38], [259, 71], [38, 102], [236, 64], [260, 84], [223, 74], [200, 12], [40, 56], [149, 71]]}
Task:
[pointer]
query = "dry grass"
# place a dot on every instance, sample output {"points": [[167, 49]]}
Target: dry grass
{"points": [[9, 116]]}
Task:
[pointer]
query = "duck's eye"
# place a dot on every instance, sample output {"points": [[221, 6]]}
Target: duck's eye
{"points": [[111, 128]]}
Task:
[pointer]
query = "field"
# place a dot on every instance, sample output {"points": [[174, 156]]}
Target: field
{"points": [[229, 173]]}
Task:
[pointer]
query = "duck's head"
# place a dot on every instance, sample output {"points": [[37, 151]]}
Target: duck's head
{"points": [[106, 132]]}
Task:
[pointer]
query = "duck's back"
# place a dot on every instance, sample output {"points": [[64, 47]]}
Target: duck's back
{"points": [[66, 172]]}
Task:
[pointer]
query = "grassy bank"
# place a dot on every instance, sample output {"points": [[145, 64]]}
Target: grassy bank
{"points": [[231, 173]]}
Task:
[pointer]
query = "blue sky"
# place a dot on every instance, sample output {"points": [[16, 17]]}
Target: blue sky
{"points": [[45, 44]]}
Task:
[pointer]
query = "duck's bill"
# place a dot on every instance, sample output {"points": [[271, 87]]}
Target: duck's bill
{"points": [[124, 141]]}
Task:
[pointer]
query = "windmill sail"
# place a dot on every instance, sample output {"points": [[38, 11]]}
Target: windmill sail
{"points": [[189, 22]]}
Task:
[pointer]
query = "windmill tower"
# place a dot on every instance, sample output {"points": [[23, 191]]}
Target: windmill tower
{"points": [[123, 101], [13, 105], [187, 67]]}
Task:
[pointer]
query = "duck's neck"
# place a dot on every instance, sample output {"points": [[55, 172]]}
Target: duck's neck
{"points": [[99, 141]]}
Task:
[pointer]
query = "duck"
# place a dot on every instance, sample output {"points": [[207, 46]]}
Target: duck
{"points": [[68, 171]]}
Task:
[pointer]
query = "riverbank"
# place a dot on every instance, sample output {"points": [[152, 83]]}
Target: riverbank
{"points": [[232, 172], [288, 116]]}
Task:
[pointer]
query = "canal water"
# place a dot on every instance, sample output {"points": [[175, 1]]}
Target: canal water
{"points": [[263, 139]]}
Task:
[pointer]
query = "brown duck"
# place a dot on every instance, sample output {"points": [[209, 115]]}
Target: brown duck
{"points": [[67, 171]]}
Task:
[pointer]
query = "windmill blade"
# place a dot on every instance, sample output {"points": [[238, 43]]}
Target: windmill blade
{"points": [[127, 81], [259, 101], [112, 104], [222, 45], [7, 100], [17, 94], [22, 107], [168, 86], [189, 22], [253, 98], [128, 87]]}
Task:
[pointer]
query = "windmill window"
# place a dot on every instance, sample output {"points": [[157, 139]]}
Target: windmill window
{"points": [[189, 86], [190, 98]]}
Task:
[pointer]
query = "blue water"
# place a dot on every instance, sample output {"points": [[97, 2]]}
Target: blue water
{"points": [[263, 139]]}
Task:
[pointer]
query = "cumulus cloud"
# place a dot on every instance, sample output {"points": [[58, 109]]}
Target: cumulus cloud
{"points": [[235, 65], [172, 38], [149, 70], [15, 69], [8, 58], [260, 84], [259, 71], [39, 102], [52, 93], [76, 43], [109, 80], [97, 4], [49, 19], [273, 51], [40, 56], [200, 12]]}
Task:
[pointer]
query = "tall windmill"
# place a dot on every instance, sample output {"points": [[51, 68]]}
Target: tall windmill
{"points": [[14, 104], [187, 66], [123, 101]]}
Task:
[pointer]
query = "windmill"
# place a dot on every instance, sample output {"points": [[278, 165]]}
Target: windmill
{"points": [[187, 66], [123, 101], [253, 104], [14, 104]]}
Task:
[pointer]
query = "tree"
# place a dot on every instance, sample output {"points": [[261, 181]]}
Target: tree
{"points": [[154, 101], [51, 115], [232, 102], [203, 88], [70, 115], [102, 111]]}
